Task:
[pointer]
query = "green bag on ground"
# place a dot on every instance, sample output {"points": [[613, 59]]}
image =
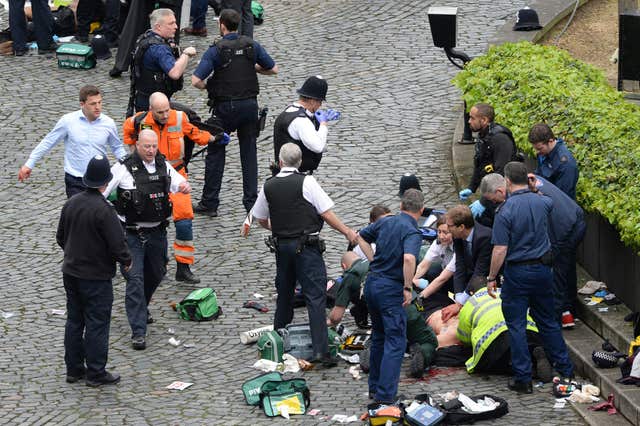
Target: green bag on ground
{"points": [[199, 305], [271, 346], [251, 388], [258, 12], [78, 56], [292, 394]]}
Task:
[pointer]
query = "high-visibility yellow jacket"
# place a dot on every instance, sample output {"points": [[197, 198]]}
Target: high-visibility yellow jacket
{"points": [[481, 321]]}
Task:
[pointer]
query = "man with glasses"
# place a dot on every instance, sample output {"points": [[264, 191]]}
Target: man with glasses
{"points": [[472, 247]]}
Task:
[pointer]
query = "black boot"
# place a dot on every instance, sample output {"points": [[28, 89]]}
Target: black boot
{"points": [[183, 273], [416, 365]]}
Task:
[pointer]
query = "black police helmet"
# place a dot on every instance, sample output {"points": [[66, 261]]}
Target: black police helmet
{"points": [[527, 20], [100, 47], [315, 87], [98, 172], [408, 181]]}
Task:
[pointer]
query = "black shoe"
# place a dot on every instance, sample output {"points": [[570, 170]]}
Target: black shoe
{"points": [[73, 378], [149, 318], [416, 365], [107, 379], [115, 73], [464, 141], [113, 43], [48, 50], [364, 360], [138, 343], [200, 209], [544, 371], [372, 395], [20, 52], [326, 360], [81, 38], [183, 273], [520, 387]]}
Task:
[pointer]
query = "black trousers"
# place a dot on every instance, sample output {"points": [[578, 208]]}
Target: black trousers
{"points": [[86, 333], [496, 359], [308, 268], [86, 13], [73, 185]]}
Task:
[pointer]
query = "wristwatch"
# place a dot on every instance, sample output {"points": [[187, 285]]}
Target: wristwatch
{"points": [[408, 289], [489, 279]]}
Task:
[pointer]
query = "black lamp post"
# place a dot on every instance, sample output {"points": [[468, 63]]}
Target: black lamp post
{"points": [[444, 29]]}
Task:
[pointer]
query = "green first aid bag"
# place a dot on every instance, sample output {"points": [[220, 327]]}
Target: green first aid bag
{"points": [[78, 56], [290, 395], [200, 305], [271, 346], [251, 388]]}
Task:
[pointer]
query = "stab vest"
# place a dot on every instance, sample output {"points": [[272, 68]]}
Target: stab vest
{"points": [[149, 200], [484, 151], [236, 77], [310, 159], [146, 81], [292, 216]]}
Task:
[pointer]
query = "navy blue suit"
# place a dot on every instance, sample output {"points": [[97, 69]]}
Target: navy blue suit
{"points": [[473, 264]]}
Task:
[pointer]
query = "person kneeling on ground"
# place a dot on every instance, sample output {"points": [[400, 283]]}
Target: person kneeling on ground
{"points": [[350, 290]]}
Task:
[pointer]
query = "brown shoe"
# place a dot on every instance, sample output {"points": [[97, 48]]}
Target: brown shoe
{"points": [[198, 32]]}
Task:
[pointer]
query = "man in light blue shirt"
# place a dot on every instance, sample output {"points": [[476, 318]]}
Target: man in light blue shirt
{"points": [[85, 133]]}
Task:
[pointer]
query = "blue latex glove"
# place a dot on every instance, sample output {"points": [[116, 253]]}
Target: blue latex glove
{"points": [[423, 284], [464, 194], [333, 115], [322, 116], [461, 297], [476, 208], [225, 139]]}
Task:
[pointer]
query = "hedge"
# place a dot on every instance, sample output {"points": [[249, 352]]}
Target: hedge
{"points": [[529, 83]]}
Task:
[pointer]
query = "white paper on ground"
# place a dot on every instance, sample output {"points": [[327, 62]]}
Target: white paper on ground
{"points": [[177, 385]]}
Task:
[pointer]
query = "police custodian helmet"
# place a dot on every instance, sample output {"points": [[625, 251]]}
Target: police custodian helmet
{"points": [[315, 87]]}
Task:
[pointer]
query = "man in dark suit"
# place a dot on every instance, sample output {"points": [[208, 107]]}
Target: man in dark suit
{"points": [[472, 247]]}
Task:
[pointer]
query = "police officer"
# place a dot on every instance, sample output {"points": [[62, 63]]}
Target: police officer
{"points": [[555, 161], [232, 90], [294, 207], [521, 243], [566, 231], [388, 289], [172, 127], [305, 124], [144, 181], [157, 64], [494, 148], [90, 234]]}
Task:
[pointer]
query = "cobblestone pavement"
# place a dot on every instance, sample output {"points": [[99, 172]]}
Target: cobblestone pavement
{"points": [[398, 107]]}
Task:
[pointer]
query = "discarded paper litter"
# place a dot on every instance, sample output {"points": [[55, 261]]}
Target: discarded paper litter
{"points": [[179, 385]]}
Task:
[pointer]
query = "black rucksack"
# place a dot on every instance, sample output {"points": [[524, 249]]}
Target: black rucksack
{"points": [[455, 414]]}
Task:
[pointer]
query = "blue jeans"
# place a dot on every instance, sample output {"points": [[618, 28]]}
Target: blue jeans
{"points": [[149, 265], [307, 268], [388, 339], [531, 287], [240, 115], [199, 13], [42, 24], [86, 333]]}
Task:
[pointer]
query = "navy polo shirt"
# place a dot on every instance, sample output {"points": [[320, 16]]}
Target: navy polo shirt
{"points": [[522, 223], [159, 57], [565, 214], [559, 167], [394, 236], [211, 58]]}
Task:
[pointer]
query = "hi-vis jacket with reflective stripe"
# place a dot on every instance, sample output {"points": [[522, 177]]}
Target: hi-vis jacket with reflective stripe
{"points": [[480, 322]]}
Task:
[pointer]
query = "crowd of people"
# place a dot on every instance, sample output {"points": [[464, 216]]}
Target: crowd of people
{"points": [[510, 252]]}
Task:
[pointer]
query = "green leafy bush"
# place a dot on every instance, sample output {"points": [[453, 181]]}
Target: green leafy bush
{"points": [[528, 83]]}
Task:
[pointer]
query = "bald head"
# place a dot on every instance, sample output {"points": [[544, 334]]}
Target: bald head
{"points": [[147, 145], [159, 107], [348, 258]]}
